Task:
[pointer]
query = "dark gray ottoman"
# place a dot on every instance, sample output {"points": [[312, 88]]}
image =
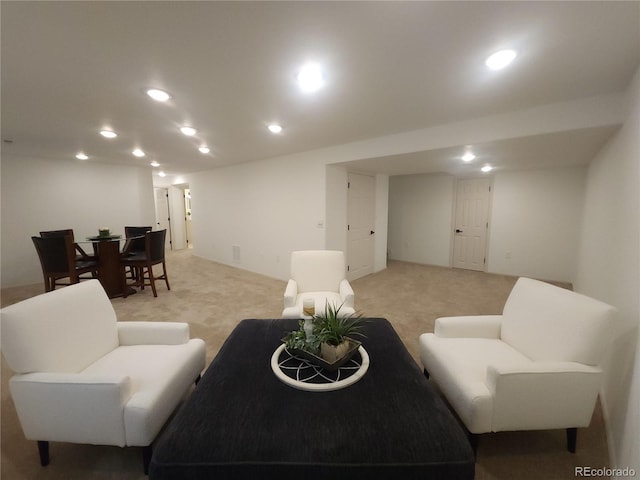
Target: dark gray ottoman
{"points": [[241, 422]]}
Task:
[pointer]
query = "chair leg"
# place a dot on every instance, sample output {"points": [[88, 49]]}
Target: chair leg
{"points": [[43, 450], [146, 458], [152, 280], [572, 435], [164, 274]]}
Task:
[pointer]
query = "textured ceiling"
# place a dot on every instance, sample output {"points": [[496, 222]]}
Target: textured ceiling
{"points": [[70, 68]]}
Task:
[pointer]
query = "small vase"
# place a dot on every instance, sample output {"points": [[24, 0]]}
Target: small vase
{"points": [[333, 353]]}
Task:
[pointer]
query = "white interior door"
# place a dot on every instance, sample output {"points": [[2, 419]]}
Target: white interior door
{"points": [[360, 228], [471, 223], [163, 220]]}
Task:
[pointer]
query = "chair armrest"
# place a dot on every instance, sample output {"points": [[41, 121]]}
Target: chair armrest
{"points": [[72, 407], [346, 293], [84, 255], [291, 294], [153, 333], [475, 326], [543, 395]]}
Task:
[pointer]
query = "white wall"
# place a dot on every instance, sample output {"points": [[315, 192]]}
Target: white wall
{"points": [[420, 218], [609, 269], [55, 194], [535, 220], [270, 208]]}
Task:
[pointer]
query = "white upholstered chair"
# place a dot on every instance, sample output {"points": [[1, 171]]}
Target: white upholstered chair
{"points": [[535, 367], [319, 275], [83, 377]]}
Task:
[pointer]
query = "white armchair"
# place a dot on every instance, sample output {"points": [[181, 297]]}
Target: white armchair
{"points": [[535, 367], [321, 276], [83, 377]]}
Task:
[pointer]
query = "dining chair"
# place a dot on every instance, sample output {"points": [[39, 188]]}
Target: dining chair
{"points": [[81, 254], [135, 243], [58, 261], [143, 262]]}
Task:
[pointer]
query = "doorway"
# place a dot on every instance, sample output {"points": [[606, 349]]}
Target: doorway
{"points": [[163, 217], [473, 198], [360, 225]]}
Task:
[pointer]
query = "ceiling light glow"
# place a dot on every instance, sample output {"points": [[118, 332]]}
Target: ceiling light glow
{"points": [[204, 149], [138, 153], [162, 174], [501, 59], [487, 168], [274, 128], [188, 131], [310, 77], [108, 133], [468, 157], [158, 95], [81, 156], [154, 164]]}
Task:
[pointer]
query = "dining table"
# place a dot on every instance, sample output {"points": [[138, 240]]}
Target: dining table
{"points": [[110, 270]]}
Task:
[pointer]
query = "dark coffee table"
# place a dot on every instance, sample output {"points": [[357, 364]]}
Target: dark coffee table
{"points": [[241, 422]]}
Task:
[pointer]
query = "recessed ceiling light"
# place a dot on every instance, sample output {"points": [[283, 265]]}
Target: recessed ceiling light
{"points": [[138, 153], [158, 95], [310, 77], [154, 164], [188, 131], [108, 133], [162, 174], [467, 157], [81, 156], [487, 168], [204, 149], [274, 128], [501, 59]]}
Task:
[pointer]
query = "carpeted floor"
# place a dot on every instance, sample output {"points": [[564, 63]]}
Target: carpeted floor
{"points": [[213, 298]]}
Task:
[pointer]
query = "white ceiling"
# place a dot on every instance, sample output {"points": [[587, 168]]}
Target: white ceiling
{"points": [[71, 68]]}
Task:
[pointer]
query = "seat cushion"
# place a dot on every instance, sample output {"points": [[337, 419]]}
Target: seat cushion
{"points": [[160, 375], [320, 301], [462, 381]]}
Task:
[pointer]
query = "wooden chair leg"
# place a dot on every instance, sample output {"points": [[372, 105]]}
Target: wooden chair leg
{"points": [[152, 280], [146, 458], [166, 278], [572, 436], [43, 450]]}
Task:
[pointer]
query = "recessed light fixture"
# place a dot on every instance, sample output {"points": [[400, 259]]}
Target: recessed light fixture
{"points": [[81, 156], [487, 168], [468, 157], [154, 164], [310, 77], [501, 59], [108, 133], [204, 149], [162, 174], [138, 153], [188, 131], [274, 128], [158, 95]]}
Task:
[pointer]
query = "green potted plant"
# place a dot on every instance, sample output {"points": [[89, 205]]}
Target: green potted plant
{"points": [[335, 332]]}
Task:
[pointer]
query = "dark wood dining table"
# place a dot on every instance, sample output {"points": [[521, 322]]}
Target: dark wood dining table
{"points": [[110, 269]]}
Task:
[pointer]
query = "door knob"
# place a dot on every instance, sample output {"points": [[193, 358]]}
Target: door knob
{"points": [[371, 232], [458, 230]]}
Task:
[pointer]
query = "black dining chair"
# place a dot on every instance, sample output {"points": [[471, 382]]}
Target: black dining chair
{"points": [[143, 262], [80, 253], [135, 243], [58, 261]]}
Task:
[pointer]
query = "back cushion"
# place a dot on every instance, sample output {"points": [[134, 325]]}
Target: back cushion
{"points": [[318, 270], [61, 331], [549, 323]]}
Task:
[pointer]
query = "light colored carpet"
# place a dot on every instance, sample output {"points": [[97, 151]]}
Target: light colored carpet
{"points": [[213, 298]]}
